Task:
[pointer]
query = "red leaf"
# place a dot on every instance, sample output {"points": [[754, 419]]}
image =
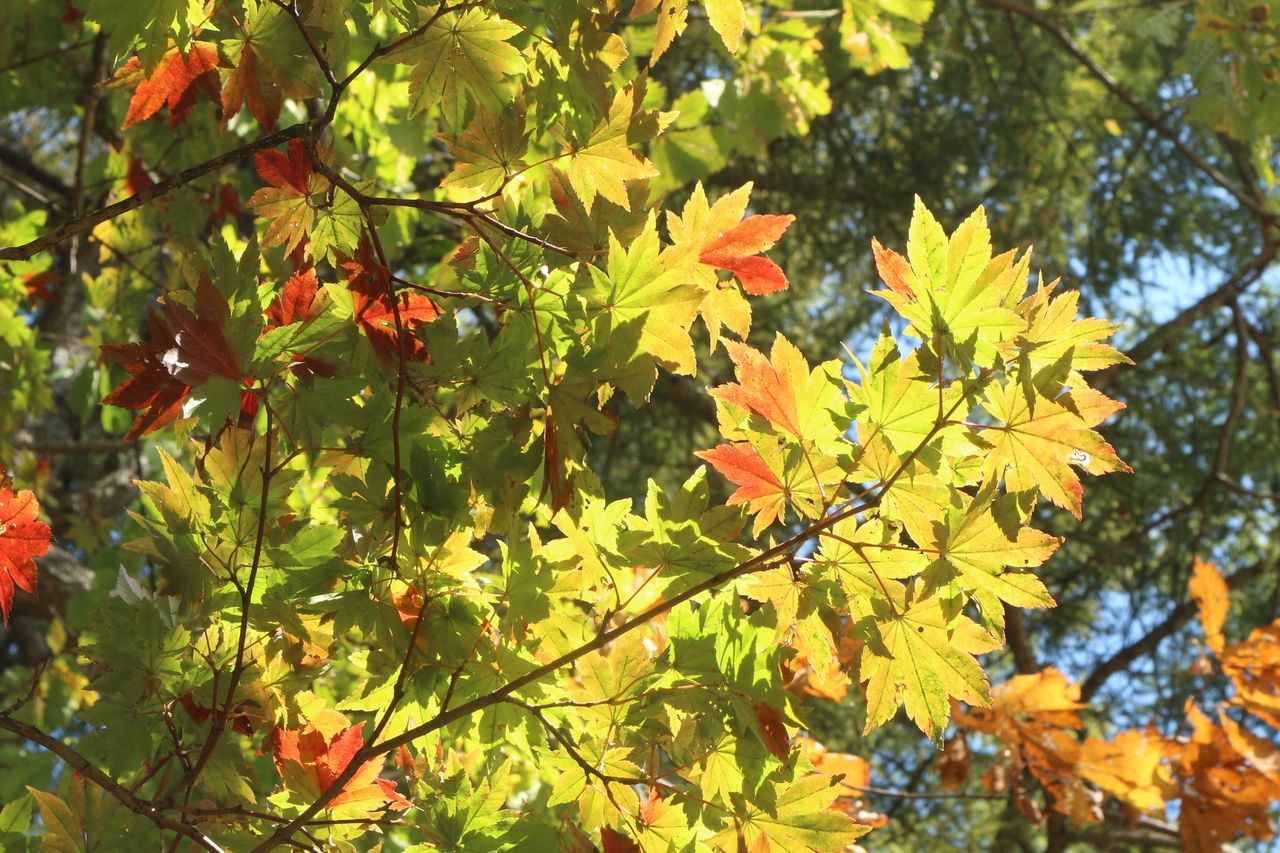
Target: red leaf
{"points": [[185, 349], [22, 536], [200, 349], [285, 171], [37, 285], [176, 82], [764, 387], [153, 390], [741, 465], [259, 81], [760, 488], [612, 841], [774, 730], [297, 302], [226, 203], [136, 178], [311, 761], [759, 276], [751, 236], [734, 250], [369, 283]]}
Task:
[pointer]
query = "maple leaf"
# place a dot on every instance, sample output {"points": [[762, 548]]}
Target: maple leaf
{"points": [[301, 206], [952, 292], [770, 476], [297, 302], [488, 152], [1034, 715], [1228, 783], [185, 349], [251, 81], [782, 390], [1128, 767], [1213, 601], [1053, 331], [635, 300], [176, 82], [897, 400], [1041, 439], [22, 537], [311, 758], [801, 819], [737, 250], [915, 657], [606, 163], [1253, 665], [463, 53], [759, 488], [389, 326], [718, 237], [977, 541]]}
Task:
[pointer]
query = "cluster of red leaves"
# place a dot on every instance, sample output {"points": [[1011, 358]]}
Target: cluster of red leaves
{"points": [[311, 758], [22, 537], [389, 325], [300, 301], [177, 81], [185, 349], [738, 251]]}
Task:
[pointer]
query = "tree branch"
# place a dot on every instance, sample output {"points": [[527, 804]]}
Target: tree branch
{"points": [[1099, 73], [1164, 336], [1168, 626], [111, 786], [80, 224]]}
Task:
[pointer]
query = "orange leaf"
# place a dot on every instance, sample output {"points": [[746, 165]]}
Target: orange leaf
{"points": [[760, 489], [22, 536], [734, 250], [176, 82], [1211, 595], [311, 758], [894, 269]]}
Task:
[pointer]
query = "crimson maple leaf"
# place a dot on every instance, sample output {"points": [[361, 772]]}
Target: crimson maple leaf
{"points": [[286, 171], [22, 536], [376, 314], [186, 348], [176, 82], [299, 302], [312, 757]]}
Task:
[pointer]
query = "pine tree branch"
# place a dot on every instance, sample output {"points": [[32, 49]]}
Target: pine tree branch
{"points": [[1171, 624], [1099, 73]]}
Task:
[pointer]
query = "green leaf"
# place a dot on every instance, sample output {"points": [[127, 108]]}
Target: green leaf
{"points": [[468, 53]]}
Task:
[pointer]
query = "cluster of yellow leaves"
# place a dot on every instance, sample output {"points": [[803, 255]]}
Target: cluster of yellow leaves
{"points": [[1224, 775]]}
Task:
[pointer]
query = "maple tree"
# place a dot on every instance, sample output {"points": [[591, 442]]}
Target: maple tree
{"points": [[362, 291]]}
